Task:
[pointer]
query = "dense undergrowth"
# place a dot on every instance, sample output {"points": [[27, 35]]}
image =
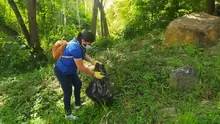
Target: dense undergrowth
{"points": [[139, 71]]}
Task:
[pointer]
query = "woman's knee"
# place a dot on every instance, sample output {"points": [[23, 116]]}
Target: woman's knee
{"points": [[68, 94], [77, 82]]}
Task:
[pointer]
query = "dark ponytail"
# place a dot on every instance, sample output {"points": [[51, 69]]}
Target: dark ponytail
{"points": [[79, 37]]}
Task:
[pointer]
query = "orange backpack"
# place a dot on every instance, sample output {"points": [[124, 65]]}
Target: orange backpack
{"points": [[58, 49]]}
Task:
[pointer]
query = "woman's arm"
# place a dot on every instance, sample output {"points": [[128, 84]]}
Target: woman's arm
{"points": [[88, 58], [82, 68]]}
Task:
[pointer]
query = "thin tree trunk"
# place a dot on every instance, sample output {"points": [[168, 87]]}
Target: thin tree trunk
{"points": [[63, 13], [64, 18], [20, 20], [103, 18], [78, 17], [33, 24], [94, 16], [210, 6]]}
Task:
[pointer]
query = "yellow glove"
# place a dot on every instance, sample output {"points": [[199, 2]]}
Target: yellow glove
{"points": [[98, 75], [95, 62]]}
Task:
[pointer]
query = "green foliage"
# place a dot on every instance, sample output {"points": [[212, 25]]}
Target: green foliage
{"points": [[103, 43], [118, 18], [139, 71], [144, 73], [60, 18], [150, 14], [27, 97], [2, 9], [55, 20], [14, 56]]}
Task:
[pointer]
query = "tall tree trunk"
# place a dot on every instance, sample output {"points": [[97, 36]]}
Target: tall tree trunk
{"points": [[33, 24], [210, 6], [63, 13], [20, 20], [94, 16], [31, 38], [78, 16], [103, 19], [34, 41]]}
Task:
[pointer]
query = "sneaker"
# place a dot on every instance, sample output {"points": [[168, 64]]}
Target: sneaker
{"points": [[84, 103], [77, 107], [72, 117]]}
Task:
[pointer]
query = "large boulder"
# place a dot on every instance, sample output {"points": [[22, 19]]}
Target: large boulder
{"points": [[184, 78], [199, 28]]}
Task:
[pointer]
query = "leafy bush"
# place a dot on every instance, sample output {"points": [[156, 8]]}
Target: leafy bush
{"points": [[14, 56], [139, 71], [103, 43], [150, 14]]}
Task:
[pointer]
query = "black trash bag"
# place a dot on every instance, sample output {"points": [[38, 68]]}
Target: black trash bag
{"points": [[99, 90]]}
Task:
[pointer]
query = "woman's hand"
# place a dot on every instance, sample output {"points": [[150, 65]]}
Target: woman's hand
{"points": [[98, 75], [95, 62]]}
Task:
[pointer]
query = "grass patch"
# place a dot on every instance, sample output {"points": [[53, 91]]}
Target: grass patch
{"points": [[139, 71]]}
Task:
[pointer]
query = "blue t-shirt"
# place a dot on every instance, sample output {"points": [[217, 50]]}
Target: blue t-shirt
{"points": [[72, 51]]}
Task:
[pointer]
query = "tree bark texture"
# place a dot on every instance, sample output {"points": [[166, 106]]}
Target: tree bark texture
{"points": [[34, 42], [210, 6], [94, 16], [103, 19], [33, 24]]}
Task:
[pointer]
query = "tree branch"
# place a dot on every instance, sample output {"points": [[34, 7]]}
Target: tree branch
{"points": [[8, 30], [20, 20]]}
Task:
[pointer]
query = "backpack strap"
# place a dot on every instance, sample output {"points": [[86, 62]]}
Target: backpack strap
{"points": [[70, 57]]}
